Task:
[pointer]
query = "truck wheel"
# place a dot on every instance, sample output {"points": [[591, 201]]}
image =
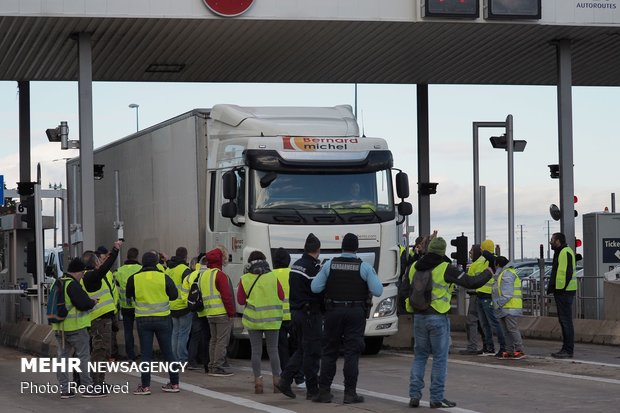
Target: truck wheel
{"points": [[239, 348], [373, 345]]}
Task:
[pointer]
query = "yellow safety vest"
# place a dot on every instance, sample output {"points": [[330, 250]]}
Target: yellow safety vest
{"points": [[263, 310], [176, 274], [560, 277], [478, 266], [122, 275], [516, 301], [441, 293], [211, 297], [75, 320], [283, 276], [107, 299], [151, 297]]}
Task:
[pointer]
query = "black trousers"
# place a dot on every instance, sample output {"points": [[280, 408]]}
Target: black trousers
{"points": [[564, 304], [344, 326], [308, 329]]}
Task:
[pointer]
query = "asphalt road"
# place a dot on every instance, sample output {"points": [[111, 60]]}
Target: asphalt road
{"points": [[590, 382]]}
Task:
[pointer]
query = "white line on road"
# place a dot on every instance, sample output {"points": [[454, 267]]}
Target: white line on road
{"points": [[248, 403]]}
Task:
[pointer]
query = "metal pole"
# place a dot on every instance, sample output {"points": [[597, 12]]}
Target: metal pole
{"points": [[613, 202], [24, 131], [55, 223], [137, 122], [483, 213], [424, 201], [548, 238], [38, 239], [511, 189], [477, 228], [355, 101], [521, 226], [118, 224]]}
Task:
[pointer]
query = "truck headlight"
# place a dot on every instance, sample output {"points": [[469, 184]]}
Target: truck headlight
{"points": [[385, 308]]}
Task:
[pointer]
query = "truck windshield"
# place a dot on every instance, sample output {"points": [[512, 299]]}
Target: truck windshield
{"points": [[321, 198]]}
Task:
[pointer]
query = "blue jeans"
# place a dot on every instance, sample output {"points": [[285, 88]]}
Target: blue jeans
{"points": [[160, 327], [432, 336], [181, 327], [486, 314], [564, 304]]}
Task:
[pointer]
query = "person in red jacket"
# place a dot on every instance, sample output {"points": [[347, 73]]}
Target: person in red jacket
{"points": [[220, 310]]}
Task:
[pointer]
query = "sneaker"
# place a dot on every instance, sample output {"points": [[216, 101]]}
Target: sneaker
{"points": [[353, 398], [194, 366], [442, 404], [171, 388], [94, 394], [324, 396], [470, 352], [285, 389], [67, 395], [301, 385], [562, 354], [502, 354], [142, 390], [517, 355], [488, 352], [414, 402], [219, 373]]}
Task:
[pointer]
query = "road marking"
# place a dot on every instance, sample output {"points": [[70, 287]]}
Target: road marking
{"points": [[248, 403], [385, 396]]}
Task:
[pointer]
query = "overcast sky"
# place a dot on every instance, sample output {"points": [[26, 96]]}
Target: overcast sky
{"points": [[387, 111]]}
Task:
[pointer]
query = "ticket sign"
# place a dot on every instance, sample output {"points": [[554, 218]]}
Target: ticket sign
{"points": [[611, 250], [513, 9], [468, 9]]}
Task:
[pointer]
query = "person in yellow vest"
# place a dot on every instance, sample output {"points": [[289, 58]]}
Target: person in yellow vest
{"points": [[178, 270], [261, 293], [72, 334], [152, 291], [200, 335], [563, 286], [488, 321], [281, 261], [129, 268], [102, 253], [219, 309], [431, 327], [102, 288], [508, 306], [473, 324]]}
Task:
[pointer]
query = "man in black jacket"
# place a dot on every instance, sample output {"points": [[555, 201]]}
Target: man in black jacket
{"points": [[307, 321]]}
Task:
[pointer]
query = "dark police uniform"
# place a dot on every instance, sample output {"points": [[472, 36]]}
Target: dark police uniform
{"points": [[307, 323]]}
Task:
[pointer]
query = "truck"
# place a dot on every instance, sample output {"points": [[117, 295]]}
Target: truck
{"points": [[256, 178]]}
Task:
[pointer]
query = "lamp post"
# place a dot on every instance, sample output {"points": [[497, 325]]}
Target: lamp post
{"points": [[135, 106]]}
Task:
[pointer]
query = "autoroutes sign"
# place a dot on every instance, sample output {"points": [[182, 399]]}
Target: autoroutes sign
{"points": [[228, 8], [611, 250]]}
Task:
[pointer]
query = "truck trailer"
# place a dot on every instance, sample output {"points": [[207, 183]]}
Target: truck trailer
{"points": [[255, 178]]}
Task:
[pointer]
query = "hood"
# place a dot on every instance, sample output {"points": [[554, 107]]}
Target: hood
{"points": [[430, 261], [215, 258], [257, 267]]}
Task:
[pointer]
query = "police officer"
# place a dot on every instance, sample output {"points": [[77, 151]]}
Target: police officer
{"points": [[307, 321], [347, 282]]}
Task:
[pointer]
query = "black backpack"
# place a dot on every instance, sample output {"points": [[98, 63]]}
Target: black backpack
{"points": [[194, 297], [421, 290]]}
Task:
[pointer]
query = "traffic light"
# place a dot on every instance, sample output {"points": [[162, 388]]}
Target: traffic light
{"points": [[554, 171], [427, 188], [31, 258], [575, 200], [29, 216], [460, 255]]}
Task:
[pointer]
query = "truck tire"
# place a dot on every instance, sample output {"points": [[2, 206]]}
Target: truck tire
{"points": [[373, 345], [239, 348]]}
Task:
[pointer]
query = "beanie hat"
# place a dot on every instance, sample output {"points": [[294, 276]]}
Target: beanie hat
{"points": [[76, 265], [350, 242], [102, 250], [487, 245], [281, 258], [150, 259], [437, 246], [312, 243]]}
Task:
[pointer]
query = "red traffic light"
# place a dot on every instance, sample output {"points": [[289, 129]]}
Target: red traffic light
{"points": [[578, 243], [575, 199]]}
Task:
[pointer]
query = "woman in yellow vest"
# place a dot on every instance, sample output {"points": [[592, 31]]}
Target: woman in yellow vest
{"points": [[262, 294], [152, 291], [508, 306]]}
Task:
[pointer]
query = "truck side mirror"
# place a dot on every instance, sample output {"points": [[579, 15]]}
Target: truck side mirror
{"points": [[229, 186], [402, 186], [405, 208], [229, 209]]}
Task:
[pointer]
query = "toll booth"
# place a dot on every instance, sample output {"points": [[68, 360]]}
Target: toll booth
{"points": [[18, 269], [601, 253]]}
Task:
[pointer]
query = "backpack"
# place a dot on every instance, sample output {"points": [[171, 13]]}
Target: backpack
{"points": [[56, 307], [194, 297], [420, 295]]}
